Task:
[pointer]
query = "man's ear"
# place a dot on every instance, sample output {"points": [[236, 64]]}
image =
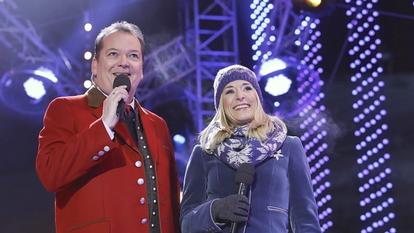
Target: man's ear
{"points": [[94, 66]]}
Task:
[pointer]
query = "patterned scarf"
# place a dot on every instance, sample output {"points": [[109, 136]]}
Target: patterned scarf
{"points": [[238, 148]]}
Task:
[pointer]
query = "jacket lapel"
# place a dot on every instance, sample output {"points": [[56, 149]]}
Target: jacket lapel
{"points": [[150, 128]]}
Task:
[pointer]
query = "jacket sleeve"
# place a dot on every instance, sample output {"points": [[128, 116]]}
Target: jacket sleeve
{"points": [[303, 209], [196, 214], [66, 151], [173, 179]]}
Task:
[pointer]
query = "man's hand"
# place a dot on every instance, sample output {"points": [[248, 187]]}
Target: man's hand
{"points": [[110, 105]]}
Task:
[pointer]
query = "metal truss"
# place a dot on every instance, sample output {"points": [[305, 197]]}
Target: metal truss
{"points": [[170, 63], [216, 46], [19, 36]]}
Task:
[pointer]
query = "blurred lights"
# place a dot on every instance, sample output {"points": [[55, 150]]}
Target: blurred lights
{"points": [[369, 113], [278, 85], [46, 73], [87, 55], [87, 84], [271, 66], [179, 139], [34, 88], [87, 27]]}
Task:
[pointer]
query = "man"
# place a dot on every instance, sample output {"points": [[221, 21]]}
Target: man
{"points": [[104, 179]]}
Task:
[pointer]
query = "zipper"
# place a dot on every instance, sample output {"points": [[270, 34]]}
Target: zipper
{"points": [[277, 209]]}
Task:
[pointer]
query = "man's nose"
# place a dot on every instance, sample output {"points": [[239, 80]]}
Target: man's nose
{"points": [[123, 61]]}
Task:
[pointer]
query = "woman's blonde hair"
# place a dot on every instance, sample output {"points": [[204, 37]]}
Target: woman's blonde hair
{"points": [[259, 127]]}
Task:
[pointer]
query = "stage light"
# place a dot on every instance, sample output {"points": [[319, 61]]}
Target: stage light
{"points": [[317, 8], [179, 139], [281, 87], [313, 3], [28, 90], [278, 85], [87, 27], [272, 65], [34, 88], [87, 55], [87, 84]]}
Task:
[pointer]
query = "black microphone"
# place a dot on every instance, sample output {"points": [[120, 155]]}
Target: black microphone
{"points": [[244, 177], [121, 80]]}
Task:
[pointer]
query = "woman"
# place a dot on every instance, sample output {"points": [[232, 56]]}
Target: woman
{"points": [[280, 196]]}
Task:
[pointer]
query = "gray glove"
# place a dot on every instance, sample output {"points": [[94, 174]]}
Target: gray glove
{"points": [[233, 208]]}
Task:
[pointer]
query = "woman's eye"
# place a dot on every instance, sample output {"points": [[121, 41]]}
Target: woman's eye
{"points": [[229, 91], [248, 88]]}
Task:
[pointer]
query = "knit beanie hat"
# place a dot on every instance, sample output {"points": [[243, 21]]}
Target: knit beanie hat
{"points": [[230, 74]]}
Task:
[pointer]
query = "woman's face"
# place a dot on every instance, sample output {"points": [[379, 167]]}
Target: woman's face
{"points": [[239, 102]]}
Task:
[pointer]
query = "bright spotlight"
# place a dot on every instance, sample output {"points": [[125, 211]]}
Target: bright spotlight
{"points": [[87, 55], [272, 65], [179, 139], [34, 88], [315, 8], [87, 84], [87, 27], [313, 3], [278, 85], [282, 85], [28, 90], [46, 73]]}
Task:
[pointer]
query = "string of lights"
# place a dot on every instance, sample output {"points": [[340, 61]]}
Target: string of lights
{"points": [[373, 159], [268, 31]]}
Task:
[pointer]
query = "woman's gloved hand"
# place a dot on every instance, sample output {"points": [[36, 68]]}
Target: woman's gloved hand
{"points": [[233, 208]]}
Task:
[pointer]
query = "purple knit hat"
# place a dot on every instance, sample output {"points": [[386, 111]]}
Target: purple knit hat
{"points": [[231, 73]]}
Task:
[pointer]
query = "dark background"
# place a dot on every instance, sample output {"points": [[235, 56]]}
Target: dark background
{"points": [[25, 206]]}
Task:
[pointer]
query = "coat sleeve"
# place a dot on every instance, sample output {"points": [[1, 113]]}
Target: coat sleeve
{"points": [[196, 214], [66, 153], [174, 183], [303, 209]]}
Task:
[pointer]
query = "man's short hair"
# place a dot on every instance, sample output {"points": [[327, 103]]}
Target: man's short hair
{"points": [[122, 26]]}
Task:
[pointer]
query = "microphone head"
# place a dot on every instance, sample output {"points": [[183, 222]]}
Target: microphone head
{"points": [[245, 173], [120, 80]]}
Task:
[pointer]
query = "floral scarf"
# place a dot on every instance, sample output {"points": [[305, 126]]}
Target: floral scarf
{"points": [[238, 148]]}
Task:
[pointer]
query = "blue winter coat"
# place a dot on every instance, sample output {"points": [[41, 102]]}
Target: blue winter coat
{"points": [[281, 195]]}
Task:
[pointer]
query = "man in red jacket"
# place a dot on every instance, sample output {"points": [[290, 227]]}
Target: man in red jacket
{"points": [[108, 177]]}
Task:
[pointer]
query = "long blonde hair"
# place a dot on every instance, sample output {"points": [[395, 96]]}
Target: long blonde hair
{"points": [[259, 127]]}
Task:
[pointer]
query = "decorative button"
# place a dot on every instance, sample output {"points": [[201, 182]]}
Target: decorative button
{"points": [[100, 153], [140, 181], [144, 220], [155, 201], [152, 225], [95, 157], [145, 147], [106, 148], [150, 166], [138, 164], [141, 137], [153, 177], [148, 157], [142, 201], [153, 213], [153, 188]]}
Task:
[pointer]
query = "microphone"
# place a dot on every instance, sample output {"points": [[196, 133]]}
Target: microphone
{"points": [[121, 80], [244, 177]]}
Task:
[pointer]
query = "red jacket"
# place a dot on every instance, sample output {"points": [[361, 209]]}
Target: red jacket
{"points": [[95, 178]]}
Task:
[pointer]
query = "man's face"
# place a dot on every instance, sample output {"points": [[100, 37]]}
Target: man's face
{"points": [[121, 53]]}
